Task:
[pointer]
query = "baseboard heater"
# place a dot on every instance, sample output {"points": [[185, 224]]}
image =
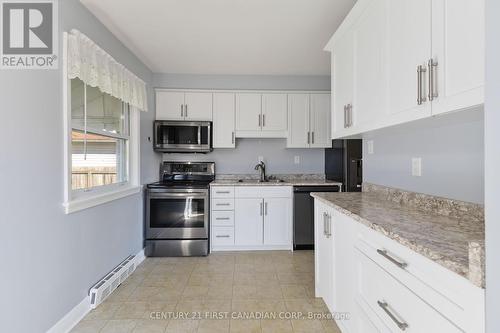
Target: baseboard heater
{"points": [[102, 289]]}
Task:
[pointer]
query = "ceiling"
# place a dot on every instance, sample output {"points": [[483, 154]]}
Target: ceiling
{"points": [[256, 37]]}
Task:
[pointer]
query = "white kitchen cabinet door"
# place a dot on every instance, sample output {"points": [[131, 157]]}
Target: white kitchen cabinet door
{"points": [[223, 120], [342, 82], [169, 105], [248, 221], [370, 67], [409, 46], [458, 33], [277, 221], [248, 112], [324, 260], [198, 106], [320, 121], [298, 121], [274, 112]]}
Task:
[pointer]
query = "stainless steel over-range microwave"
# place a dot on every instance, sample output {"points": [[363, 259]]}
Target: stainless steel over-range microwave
{"points": [[182, 136]]}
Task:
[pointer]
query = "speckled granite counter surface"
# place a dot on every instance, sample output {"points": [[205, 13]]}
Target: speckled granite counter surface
{"points": [[288, 180], [448, 232]]}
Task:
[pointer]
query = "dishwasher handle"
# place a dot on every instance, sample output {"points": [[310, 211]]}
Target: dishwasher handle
{"points": [[308, 189]]}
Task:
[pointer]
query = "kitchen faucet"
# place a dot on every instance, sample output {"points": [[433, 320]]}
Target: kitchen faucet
{"points": [[262, 168]]}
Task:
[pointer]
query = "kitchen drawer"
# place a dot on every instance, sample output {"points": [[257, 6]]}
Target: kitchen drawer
{"points": [[393, 303], [223, 218], [263, 191], [223, 204], [223, 192], [222, 236]]}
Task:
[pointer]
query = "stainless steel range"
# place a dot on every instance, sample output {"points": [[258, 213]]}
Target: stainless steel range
{"points": [[177, 210]]}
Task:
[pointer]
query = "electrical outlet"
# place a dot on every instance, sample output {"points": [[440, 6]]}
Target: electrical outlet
{"points": [[416, 166], [369, 145], [296, 160], [261, 159]]}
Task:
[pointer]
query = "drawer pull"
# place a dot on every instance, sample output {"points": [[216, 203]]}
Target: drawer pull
{"points": [[222, 192], [391, 259], [222, 218], [222, 236], [223, 204], [402, 325]]}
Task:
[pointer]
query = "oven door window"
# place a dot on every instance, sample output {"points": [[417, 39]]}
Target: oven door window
{"points": [[179, 135], [177, 213]]}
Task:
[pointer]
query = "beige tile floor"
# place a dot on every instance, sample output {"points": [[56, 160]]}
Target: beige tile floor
{"points": [[214, 293]]}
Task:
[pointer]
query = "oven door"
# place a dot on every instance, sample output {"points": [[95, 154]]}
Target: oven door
{"points": [[182, 136], [177, 214]]}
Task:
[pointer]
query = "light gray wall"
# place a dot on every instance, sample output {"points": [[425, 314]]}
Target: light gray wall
{"points": [[49, 259], [452, 151], [264, 82], [492, 149], [242, 160]]}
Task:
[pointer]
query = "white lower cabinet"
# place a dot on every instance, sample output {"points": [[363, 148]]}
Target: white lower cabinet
{"points": [[260, 218], [386, 287]]}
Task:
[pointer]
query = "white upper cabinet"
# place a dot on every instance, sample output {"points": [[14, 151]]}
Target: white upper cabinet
{"points": [[179, 105], [459, 52], [370, 70], [169, 105], [261, 115], [248, 112], [309, 120], [298, 121], [342, 82], [198, 106], [274, 113], [409, 49], [223, 117], [396, 61]]}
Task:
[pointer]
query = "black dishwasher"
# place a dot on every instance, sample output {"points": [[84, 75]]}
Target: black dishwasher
{"points": [[303, 215]]}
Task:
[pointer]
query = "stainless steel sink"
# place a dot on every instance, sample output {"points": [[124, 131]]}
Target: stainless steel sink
{"points": [[256, 181]]}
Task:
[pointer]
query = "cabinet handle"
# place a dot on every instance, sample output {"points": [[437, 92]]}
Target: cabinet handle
{"points": [[265, 208], [324, 223], [260, 208], [222, 218], [222, 192], [349, 115], [329, 225], [312, 136], [263, 120], [232, 138], [182, 110], [260, 121], [308, 137], [223, 204], [384, 254], [432, 65], [401, 324], [222, 236], [420, 96]]}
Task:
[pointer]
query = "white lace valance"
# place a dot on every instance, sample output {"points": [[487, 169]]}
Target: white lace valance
{"points": [[95, 67]]}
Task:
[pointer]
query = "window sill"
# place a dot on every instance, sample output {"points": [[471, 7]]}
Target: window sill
{"points": [[99, 199]]}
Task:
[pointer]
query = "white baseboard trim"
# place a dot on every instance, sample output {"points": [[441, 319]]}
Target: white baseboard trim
{"points": [[76, 314]]}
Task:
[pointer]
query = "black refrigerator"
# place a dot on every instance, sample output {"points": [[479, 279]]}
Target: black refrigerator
{"points": [[344, 163]]}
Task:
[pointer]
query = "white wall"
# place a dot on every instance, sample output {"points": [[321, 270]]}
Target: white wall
{"points": [[492, 176], [242, 159], [49, 259], [452, 151]]}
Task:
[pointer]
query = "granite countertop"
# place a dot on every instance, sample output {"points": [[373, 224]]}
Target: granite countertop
{"points": [[287, 182], [454, 240]]}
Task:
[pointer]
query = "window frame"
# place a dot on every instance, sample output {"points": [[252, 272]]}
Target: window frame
{"points": [[76, 200]]}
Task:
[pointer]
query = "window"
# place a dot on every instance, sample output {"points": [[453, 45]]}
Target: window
{"points": [[100, 138]]}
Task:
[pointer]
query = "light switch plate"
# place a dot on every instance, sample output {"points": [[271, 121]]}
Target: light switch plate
{"points": [[416, 166], [369, 145], [296, 160]]}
